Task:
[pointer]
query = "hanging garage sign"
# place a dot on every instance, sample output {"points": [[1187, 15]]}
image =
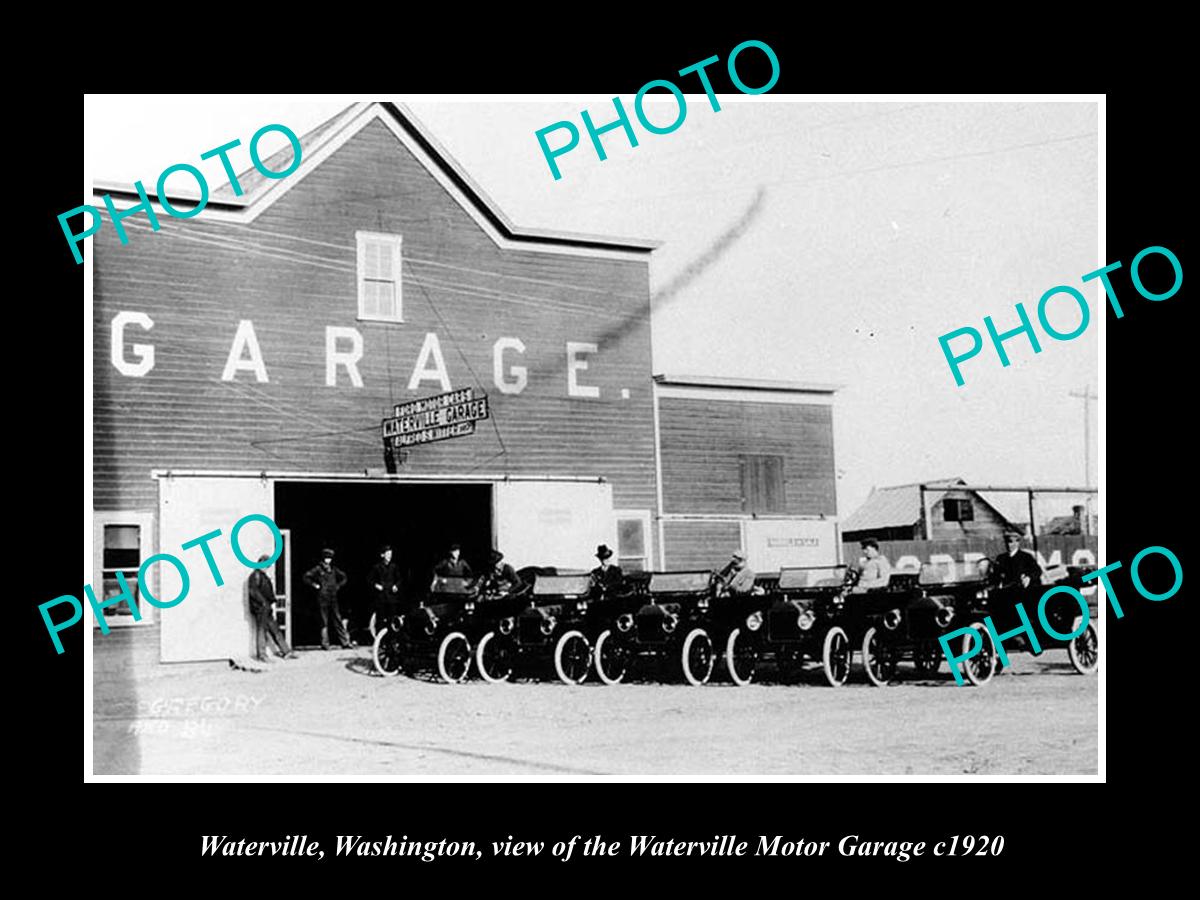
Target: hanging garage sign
{"points": [[435, 418]]}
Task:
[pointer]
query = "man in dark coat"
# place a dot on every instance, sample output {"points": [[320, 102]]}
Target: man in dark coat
{"points": [[501, 578], [453, 566], [384, 583], [327, 579], [262, 607], [1018, 578], [1016, 568], [607, 578]]}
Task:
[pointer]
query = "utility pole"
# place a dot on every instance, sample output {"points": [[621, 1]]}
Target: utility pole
{"points": [[1087, 396]]}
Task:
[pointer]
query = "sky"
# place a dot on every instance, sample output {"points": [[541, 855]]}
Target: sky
{"points": [[861, 232]]}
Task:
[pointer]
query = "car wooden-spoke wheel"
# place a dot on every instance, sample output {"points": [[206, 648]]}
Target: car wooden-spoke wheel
{"points": [[1084, 650], [697, 657], [740, 658], [835, 656], [879, 658], [493, 658], [612, 658], [454, 657], [979, 668], [385, 653], [371, 626], [927, 657], [572, 657]]}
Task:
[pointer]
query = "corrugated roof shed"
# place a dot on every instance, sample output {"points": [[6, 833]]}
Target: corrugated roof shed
{"points": [[898, 506]]}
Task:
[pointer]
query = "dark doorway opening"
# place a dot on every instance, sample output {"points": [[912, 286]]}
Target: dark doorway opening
{"points": [[355, 519]]}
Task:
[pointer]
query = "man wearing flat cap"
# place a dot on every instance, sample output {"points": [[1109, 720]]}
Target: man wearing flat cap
{"points": [[501, 578], [737, 577], [453, 566], [327, 579], [262, 607], [384, 583], [607, 578]]}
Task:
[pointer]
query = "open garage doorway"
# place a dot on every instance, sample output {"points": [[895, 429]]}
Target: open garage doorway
{"points": [[355, 519]]}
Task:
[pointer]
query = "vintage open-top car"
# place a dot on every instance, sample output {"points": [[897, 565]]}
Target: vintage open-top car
{"points": [[799, 618], [905, 620], [1062, 611], [667, 621], [549, 626], [434, 633]]}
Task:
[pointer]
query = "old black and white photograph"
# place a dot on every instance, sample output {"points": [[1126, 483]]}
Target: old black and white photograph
{"points": [[678, 436]]}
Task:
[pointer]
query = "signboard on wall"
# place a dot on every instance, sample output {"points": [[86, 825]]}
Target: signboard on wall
{"points": [[438, 418], [772, 544]]}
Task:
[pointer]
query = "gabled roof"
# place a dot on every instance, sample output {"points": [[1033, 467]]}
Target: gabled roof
{"points": [[899, 506], [319, 143]]}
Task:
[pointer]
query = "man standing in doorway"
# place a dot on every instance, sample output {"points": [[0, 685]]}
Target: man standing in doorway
{"points": [[262, 607], [327, 579], [384, 582], [453, 566]]}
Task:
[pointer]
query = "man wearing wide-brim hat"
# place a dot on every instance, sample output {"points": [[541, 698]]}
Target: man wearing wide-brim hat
{"points": [[501, 578], [607, 577]]}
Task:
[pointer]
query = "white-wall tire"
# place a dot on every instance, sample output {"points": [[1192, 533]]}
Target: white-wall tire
{"points": [[697, 639], [741, 679], [561, 660], [836, 643], [448, 658], [381, 659], [977, 674], [1084, 650], [607, 675], [480, 665]]}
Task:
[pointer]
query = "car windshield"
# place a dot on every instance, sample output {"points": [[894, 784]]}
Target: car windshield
{"points": [[678, 582], [948, 573], [561, 585], [820, 576], [451, 585]]}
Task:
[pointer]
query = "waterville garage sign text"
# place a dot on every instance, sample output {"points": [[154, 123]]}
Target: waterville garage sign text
{"points": [[435, 418]]}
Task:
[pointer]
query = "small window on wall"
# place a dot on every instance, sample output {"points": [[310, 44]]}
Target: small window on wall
{"points": [[122, 553], [957, 510], [763, 485], [633, 546], [379, 277]]}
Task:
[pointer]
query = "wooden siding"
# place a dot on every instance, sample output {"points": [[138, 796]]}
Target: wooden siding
{"points": [[293, 272], [703, 439], [700, 545]]}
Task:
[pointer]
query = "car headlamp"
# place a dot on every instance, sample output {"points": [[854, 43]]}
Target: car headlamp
{"points": [[547, 625], [582, 606], [624, 622], [754, 621], [702, 603], [944, 616], [506, 625], [469, 606], [805, 619], [670, 622], [891, 619]]}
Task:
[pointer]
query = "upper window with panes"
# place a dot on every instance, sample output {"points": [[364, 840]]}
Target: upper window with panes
{"points": [[379, 277]]}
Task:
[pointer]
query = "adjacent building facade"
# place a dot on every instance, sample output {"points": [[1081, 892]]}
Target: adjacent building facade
{"points": [[245, 359]]}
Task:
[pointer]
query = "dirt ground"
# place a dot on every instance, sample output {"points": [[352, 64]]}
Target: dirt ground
{"points": [[328, 714]]}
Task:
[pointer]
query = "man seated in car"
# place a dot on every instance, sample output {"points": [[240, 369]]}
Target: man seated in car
{"points": [[501, 578], [736, 578], [874, 569]]}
